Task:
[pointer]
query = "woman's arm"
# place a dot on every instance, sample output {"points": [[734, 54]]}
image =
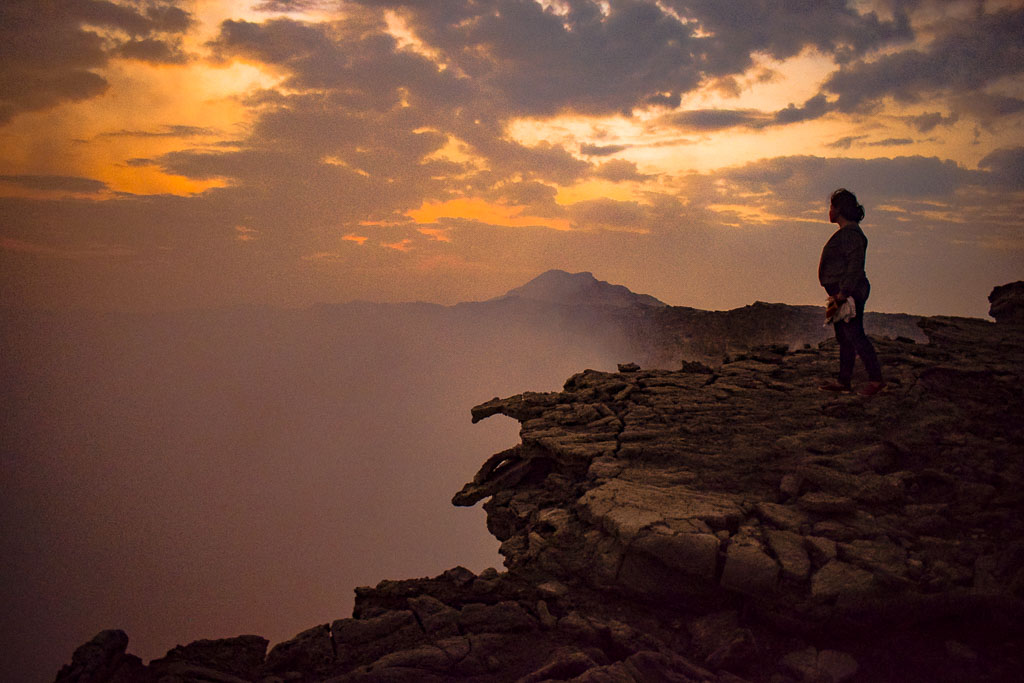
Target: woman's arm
{"points": [[853, 247]]}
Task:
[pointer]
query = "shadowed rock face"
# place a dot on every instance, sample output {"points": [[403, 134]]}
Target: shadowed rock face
{"points": [[718, 524], [751, 481], [1008, 303]]}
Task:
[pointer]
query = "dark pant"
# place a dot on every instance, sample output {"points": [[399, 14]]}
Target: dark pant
{"points": [[853, 342]]}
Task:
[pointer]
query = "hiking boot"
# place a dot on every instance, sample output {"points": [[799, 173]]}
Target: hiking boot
{"points": [[835, 386], [872, 388]]}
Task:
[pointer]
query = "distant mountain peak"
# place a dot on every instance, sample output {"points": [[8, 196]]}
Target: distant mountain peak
{"points": [[558, 286]]}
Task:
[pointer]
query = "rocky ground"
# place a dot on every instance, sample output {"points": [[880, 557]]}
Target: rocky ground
{"points": [[722, 523]]}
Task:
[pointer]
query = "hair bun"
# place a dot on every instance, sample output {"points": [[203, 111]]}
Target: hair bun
{"points": [[845, 202]]}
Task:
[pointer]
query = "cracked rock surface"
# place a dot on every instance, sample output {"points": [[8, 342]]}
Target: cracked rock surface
{"points": [[710, 524]]}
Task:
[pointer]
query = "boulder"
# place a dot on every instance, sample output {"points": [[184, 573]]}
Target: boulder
{"points": [[1007, 303], [241, 656], [103, 659], [311, 650]]}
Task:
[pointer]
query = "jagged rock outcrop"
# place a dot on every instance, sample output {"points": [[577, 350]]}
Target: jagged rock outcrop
{"points": [[1007, 303], [661, 337], [712, 524], [656, 482]]}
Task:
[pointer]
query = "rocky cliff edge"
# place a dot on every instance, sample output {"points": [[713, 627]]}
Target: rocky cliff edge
{"points": [[704, 524]]}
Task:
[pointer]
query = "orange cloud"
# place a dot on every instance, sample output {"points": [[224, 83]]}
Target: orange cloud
{"points": [[480, 210], [358, 239], [437, 234], [322, 257], [149, 110], [401, 245], [244, 234]]}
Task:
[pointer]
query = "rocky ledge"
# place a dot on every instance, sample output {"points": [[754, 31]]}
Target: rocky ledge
{"points": [[710, 524]]}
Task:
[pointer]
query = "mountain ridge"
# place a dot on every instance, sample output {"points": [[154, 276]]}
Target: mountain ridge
{"points": [[559, 286]]}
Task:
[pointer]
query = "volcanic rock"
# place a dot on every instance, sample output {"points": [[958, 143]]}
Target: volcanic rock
{"points": [[735, 524], [1008, 303], [103, 659]]}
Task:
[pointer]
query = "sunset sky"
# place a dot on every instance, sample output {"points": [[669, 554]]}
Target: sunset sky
{"points": [[160, 155]]}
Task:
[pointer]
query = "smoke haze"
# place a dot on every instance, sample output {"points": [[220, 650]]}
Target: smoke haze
{"points": [[208, 474]]}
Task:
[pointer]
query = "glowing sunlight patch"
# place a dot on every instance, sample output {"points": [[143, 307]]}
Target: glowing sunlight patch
{"points": [[400, 245], [747, 215], [596, 189], [358, 239], [484, 212], [148, 111], [146, 181], [323, 257], [406, 39], [245, 234], [458, 152]]}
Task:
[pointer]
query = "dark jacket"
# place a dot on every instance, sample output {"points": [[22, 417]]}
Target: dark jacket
{"points": [[841, 268]]}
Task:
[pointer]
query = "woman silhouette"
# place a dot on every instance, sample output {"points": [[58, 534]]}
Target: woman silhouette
{"points": [[841, 273]]}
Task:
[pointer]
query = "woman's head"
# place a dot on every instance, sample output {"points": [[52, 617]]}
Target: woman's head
{"points": [[845, 204]]}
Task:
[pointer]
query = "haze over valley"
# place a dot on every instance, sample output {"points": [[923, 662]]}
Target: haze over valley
{"points": [[202, 474], [209, 473]]}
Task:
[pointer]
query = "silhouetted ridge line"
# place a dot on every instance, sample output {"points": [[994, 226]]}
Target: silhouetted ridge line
{"points": [[558, 286]]}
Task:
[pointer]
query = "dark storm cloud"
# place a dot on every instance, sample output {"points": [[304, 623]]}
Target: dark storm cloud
{"points": [[135, 19], [619, 170], [354, 93], [814, 108], [968, 56], [811, 178], [608, 214], [374, 113], [168, 18], [925, 123], [248, 164], [31, 90], [301, 47], [670, 101], [985, 107], [596, 59], [533, 194], [291, 5], [353, 131], [535, 62], [153, 51], [165, 132], [710, 120], [542, 162], [55, 182], [349, 73], [782, 30], [1006, 167], [601, 150], [846, 142], [48, 50], [890, 142], [354, 60]]}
